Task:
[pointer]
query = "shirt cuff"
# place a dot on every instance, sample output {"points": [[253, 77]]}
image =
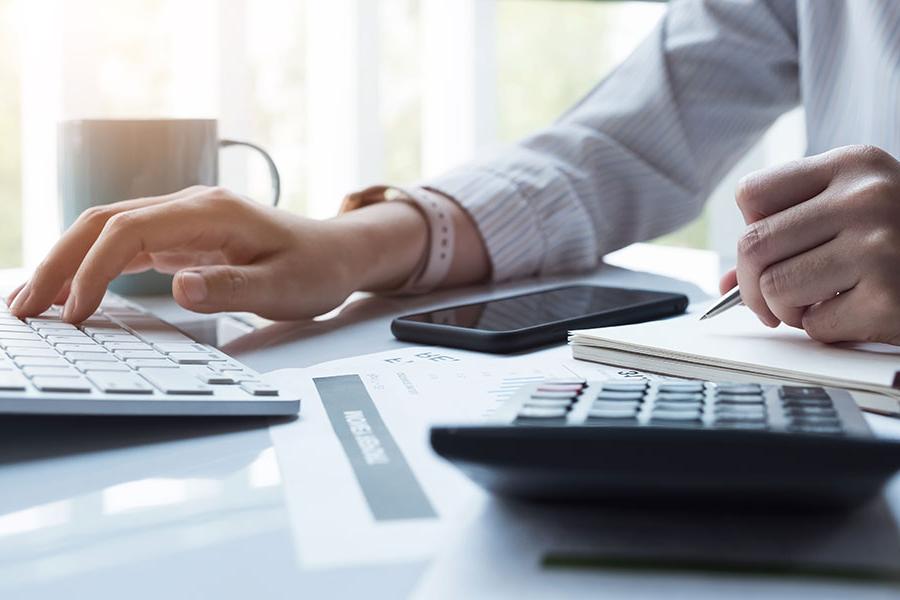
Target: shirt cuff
{"points": [[531, 225]]}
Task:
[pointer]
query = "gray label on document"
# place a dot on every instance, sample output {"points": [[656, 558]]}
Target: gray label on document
{"points": [[387, 482]]}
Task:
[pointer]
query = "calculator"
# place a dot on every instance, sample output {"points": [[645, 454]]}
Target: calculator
{"points": [[671, 442]]}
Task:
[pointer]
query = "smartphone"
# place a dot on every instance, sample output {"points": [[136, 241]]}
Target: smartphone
{"points": [[535, 319]]}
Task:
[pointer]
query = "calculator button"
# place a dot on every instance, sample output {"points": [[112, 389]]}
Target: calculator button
{"points": [[620, 396], [807, 403], [806, 411], [739, 399], [676, 415], [625, 385], [680, 406], [615, 404], [739, 388], [682, 387], [528, 412], [739, 418], [679, 397], [796, 392], [824, 429], [553, 395], [546, 403], [743, 425], [815, 420], [574, 389], [611, 413]]}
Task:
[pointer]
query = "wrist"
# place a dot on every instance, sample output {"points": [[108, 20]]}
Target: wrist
{"points": [[381, 245]]}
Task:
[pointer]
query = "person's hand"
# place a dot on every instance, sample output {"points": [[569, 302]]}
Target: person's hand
{"points": [[822, 247], [227, 253]]}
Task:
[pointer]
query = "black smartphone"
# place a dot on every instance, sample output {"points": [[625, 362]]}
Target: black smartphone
{"points": [[535, 319]]}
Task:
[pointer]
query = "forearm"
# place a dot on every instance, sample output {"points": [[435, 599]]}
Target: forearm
{"points": [[385, 243]]}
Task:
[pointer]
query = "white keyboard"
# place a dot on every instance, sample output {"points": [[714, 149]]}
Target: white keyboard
{"points": [[123, 361]]}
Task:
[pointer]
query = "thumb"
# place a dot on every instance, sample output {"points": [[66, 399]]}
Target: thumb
{"points": [[728, 281], [221, 288]]}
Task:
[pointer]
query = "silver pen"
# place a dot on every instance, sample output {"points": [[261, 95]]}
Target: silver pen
{"points": [[729, 300]]}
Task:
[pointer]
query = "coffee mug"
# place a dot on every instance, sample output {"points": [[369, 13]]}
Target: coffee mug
{"points": [[106, 160]]}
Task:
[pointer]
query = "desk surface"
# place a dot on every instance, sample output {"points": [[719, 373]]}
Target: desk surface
{"points": [[162, 508]]}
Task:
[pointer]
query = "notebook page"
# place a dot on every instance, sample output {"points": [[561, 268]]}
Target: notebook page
{"points": [[736, 339]]}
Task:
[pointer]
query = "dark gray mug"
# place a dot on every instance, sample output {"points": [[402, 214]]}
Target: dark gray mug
{"points": [[107, 160]]}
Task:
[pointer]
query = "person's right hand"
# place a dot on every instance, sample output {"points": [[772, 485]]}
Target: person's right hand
{"points": [[227, 253]]}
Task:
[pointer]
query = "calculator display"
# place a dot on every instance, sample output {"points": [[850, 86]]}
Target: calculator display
{"points": [[530, 310]]}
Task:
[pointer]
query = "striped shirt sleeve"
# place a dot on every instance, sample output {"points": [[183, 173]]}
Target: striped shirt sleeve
{"points": [[637, 157]]}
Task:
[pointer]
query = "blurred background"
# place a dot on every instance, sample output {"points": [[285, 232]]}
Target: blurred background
{"points": [[343, 93]]}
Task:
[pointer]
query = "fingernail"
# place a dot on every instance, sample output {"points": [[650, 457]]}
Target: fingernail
{"points": [[194, 287], [69, 307], [21, 298]]}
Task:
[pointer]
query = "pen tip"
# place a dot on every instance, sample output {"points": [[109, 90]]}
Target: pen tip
{"points": [[706, 316]]}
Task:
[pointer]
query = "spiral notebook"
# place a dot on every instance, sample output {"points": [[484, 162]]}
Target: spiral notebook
{"points": [[736, 346]]}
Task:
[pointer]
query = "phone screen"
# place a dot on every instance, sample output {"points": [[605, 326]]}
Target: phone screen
{"points": [[530, 310]]}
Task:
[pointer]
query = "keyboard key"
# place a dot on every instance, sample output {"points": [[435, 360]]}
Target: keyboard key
{"points": [[12, 328], [99, 365], [799, 392], [22, 344], [138, 354], [192, 358], [57, 326], [152, 330], [11, 336], [682, 387], [739, 388], [112, 382], [122, 336], [62, 384], [257, 388], [168, 348], [50, 371], [11, 381], [90, 348], [68, 339], [135, 345], [101, 356], [174, 381], [526, 412], [815, 420], [739, 418], [150, 363], [215, 378], [41, 361], [18, 352]]}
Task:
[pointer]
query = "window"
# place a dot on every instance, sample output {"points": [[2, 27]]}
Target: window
{"points": [[343, 93]]}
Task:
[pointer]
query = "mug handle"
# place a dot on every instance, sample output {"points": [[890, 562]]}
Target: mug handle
{"points": [[273, 170]]}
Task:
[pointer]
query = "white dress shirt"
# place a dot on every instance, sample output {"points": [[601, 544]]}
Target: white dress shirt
{"points": [[639, 155]]}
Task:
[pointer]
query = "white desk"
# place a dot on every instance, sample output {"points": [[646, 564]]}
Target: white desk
{"points": [[154, 508]]}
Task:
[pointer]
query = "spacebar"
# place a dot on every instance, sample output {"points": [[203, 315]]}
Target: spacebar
{"points": [[174, 381], [151, 329]]}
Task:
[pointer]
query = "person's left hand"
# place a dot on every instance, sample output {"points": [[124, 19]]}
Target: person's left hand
{"points": [[822, 247]]}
